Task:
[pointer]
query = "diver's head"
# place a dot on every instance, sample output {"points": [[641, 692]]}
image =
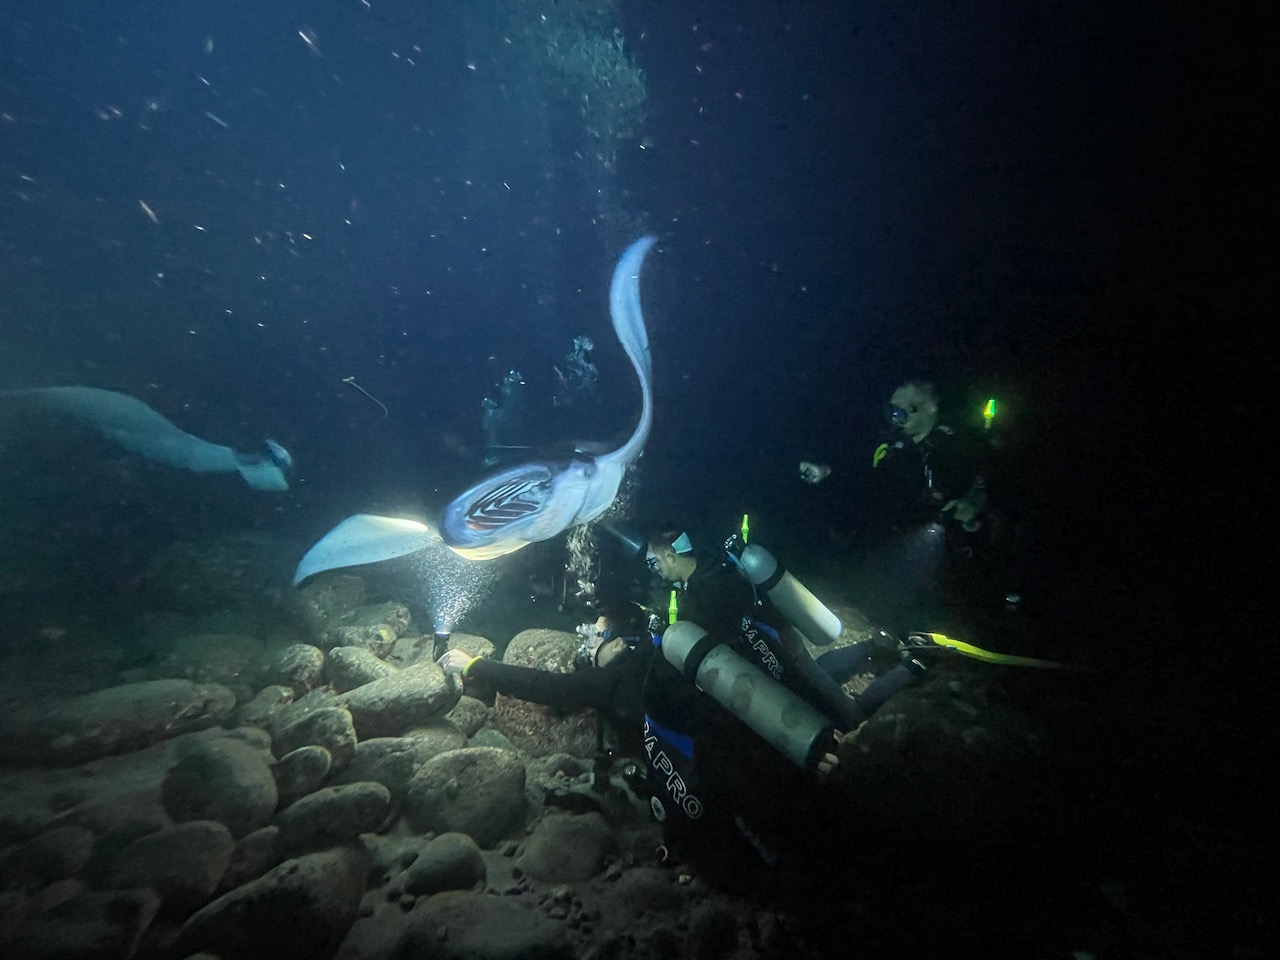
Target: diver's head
{"points": [[913, 409], [595, 650], [670, 555]]}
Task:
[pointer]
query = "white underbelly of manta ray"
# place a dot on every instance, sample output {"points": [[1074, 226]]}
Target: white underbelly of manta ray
{"points": [[522, 504]]}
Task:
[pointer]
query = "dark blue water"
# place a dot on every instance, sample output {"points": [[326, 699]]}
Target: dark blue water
{"points": [[1022, 203]]}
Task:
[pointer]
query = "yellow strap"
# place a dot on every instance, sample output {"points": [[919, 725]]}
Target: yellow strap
{"points": [[987, 656]]}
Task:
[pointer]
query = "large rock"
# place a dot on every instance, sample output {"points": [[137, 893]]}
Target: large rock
{"points": [[54, 855], [328, 727], [452, 861], [469, 714], [375, 627], [183, 864], [536, 729], [393, 761], [302, 908], [478, 791], [330, 595], [115, 720], [332, 816], [350, 667], [473, 926], [254, 855], [945, 757], [301, 771], [298, 666], [390, 706], [567, 848], [225, 780], [411, 650], [262, 710], [106, 925], [223, 658]]}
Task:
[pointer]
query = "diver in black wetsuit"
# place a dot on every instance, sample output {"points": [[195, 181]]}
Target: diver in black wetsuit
{"points": [[716, 597], [718, 787], [718, 783]]}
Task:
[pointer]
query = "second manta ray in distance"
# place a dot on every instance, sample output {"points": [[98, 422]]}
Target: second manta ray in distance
{"points": [[522, 504]]}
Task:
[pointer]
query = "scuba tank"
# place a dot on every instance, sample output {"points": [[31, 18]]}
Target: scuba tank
{"points": [[806, 612], [789, 724]]}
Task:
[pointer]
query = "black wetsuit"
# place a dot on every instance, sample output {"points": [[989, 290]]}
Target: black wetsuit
{"points": [[723, 790], [924, 477], [615, 691]]}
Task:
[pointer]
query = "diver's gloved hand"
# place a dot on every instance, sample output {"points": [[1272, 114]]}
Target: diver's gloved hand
{"points": [[455, 662], [814, 472], [829, 761], [965, 512]]}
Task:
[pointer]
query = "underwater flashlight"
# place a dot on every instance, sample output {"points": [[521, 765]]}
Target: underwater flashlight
{"points": [[442, 630], [988, 413]]}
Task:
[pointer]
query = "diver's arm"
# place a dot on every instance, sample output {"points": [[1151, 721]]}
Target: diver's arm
{"points": [[592, 688]]}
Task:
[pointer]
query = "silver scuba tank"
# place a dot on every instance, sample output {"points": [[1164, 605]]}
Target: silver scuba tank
{"points": [[789, 724], [806, 612]]}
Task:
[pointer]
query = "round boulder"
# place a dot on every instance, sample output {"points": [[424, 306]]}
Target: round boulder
{"points": [[350, 667], [451, 861], [478, 791], [183, 864], [407, 698], [332, 816], [302, 908], [567, 848], [225, 780], [533, 728], [301, 771], [328, 727]]}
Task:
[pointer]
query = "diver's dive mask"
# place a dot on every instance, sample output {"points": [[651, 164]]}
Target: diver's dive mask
{"points": [[898, 416]]}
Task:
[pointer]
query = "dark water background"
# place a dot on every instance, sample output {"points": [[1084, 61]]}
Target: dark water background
{"points": [[1064, 205], [1058, 206]]}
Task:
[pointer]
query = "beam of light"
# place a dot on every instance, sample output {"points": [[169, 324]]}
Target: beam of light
{"points": [[452, 586]]}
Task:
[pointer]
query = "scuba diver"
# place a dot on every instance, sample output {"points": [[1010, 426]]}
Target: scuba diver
{"points": [[937, 471], [505, 420], [718, 781], [947, 544], [735, 704]]}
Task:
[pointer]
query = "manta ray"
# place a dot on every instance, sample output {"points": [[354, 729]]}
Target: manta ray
{"points": [[130, 423], [521, 504]]}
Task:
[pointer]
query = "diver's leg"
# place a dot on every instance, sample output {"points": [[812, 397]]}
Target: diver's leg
{"points": [[843, 663], [815, 685], [883, 687]]}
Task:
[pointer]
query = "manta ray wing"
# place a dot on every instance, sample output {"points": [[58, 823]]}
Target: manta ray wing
{"points": [[362, 539]]}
